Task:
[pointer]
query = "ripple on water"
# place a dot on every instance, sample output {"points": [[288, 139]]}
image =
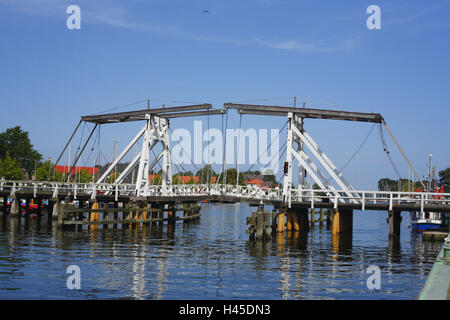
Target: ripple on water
{"points": [[211, 259]]}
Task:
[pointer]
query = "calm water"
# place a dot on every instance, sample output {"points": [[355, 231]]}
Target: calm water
{"points": [[211, 259]]}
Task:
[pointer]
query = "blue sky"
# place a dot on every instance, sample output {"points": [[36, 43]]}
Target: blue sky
{"points": [[265, 51]]}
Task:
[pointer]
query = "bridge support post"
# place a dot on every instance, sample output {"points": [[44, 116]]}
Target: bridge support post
{"points": [[342, 221], [27, 207], [303, 220], [267, 225], [313, 217], [329, 217], [116, 214], [55, 210], [292, 222], [394, 221], [15, 207], [161, 215], [171, 214], [321, 218], [145, 214], [5, 206], [289, 219], [274, 220], [154, 214], [49, 211], [39, 207], [94, 215], [260, 223], [281, 222]]}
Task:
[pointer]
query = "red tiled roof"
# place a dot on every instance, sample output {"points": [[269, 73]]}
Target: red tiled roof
{"points": [[66, 169], [258, 182]]}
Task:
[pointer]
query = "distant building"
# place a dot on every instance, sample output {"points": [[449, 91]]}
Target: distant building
{"points": [[263, 181], [66, 169]]}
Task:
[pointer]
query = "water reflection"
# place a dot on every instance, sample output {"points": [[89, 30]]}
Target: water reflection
{"points": [[341, 245], [210, 258]]}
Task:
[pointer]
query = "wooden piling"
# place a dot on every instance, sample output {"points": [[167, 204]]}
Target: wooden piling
{"points": [[105, 217], [55, 208], [154, 214], [295, 222], [61, 214], [39, 207], [289, 219], [171, 214], [27, 207], [335, 224], [281, 222], [260, 223], [94, 215], [268, 225], [145, 213], [303, 219], [321, 218], [116, 214], [394, 221], [161, 216], [313, 216], [15, 207], [50, 204], [5, 206], [274, 220], [329, 215], [342, 221]]}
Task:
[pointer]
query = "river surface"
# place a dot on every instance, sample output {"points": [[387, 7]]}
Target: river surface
{"points": [[212, 258]]}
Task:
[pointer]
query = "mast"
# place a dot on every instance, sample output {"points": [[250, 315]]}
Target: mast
{"points": [[430, 169]]}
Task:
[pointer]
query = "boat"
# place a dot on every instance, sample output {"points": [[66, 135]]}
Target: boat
{"points": [[422, 221]]}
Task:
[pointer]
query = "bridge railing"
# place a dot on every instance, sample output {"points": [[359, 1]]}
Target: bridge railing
{"points": [[246, 192]]}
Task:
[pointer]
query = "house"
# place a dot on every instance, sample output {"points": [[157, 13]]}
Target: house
{"points": [[263, 181], [66, 169]]}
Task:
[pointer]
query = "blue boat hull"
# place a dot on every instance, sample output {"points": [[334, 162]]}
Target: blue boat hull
{"points": [[424, 226]]}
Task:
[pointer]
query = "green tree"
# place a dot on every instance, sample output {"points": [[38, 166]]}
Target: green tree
{"points": [[205, 174], [84, 176], [16, 142], [10, 168], [386, 184], [230, 175], [46, 172], [444, 178]]}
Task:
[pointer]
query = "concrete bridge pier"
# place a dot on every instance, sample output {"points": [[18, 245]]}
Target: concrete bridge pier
{"points": [[394, 220]]}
